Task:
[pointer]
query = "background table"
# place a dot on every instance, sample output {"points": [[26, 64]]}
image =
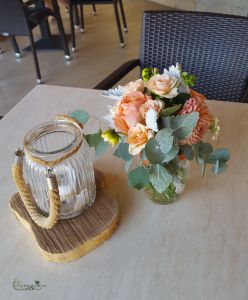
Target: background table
{"points": [[196, 248]]}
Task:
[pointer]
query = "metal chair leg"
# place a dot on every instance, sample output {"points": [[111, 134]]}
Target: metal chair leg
{"points": [[75, 16], [61, 31], [94, 9], [72, 29], [82, 18], [123, 16], [118, 25], [36, 64], [15, 46]]}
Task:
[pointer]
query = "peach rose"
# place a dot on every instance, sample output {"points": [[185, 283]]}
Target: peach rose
{"points": [[137, 138], [163, 85], [128, 114], [157, 105], [134, 86]]}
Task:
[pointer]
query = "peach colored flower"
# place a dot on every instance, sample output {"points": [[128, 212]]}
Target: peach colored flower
{"points": [[127, 113], [196, 103], [157, 105], [163, 85], [138, 137], [134, 86]]}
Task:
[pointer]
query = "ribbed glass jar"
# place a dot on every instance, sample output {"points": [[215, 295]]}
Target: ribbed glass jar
{"points": [[176, 187], [52, 141]]}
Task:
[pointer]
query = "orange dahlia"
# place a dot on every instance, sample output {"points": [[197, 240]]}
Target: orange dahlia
{"points": [[196, 103]]}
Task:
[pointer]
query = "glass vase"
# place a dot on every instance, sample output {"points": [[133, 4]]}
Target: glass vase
{"points": [[175, 188]]}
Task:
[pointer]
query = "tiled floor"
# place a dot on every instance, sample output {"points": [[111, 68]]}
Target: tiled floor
{"points": [[98, 53]]}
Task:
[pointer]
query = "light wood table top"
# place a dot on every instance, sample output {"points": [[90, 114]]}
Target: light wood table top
{"points": [[196, 248]]}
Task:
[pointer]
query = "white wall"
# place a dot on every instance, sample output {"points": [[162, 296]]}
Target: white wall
{"points": [[179, 4], [236, 7]]}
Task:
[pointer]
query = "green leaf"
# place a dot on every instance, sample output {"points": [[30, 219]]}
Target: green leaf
{"points": [[127, 165], [170, 110], [143, 155], [189, 79], [153, 152], [95, 140], [147, 73], [80, 115], [204, 150], [138, 178], [101, 148], [215, 167], [219, 167], [181, 98], [160, 178], [122, 152], [171, 154], [221, 154], [165, 139], [183, 125], [187, 151], [165, 122]]}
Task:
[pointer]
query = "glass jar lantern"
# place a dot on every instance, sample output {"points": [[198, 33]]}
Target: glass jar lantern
{"points": [[55, 171]]}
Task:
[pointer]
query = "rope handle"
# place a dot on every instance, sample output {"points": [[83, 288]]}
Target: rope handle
{"points": [[27, 198]]}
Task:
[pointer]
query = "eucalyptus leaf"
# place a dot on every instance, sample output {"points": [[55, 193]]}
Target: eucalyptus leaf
{"points": [[160, 178], [165, 122], [143, 155], [165, 139], [222, 166], [215, 167], [171, 154], [202, 151], [170, 110], [95, 140], [153, 152], [127, 165], [187, 151], [203, 168], [138, 178], [181, 98], [122, 152], [80, 115], [221, 154], [184, 124], [101, 148]]}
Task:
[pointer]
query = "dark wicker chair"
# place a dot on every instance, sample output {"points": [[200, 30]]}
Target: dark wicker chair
{"points": [[214, 47], [18, 18]]}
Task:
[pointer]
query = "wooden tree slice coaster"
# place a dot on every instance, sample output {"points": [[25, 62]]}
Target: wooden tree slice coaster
{"points": [[73, 238]]}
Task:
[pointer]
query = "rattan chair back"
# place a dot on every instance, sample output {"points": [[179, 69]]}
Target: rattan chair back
{"points": [[214, 47]]}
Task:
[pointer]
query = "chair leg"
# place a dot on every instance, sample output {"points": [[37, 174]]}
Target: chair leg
{"points": [[123, 16], [36, 64], [61, 31], [72, 29], [94, 9], [15, 46], [82, 18], [118, 25], [75, 17]]}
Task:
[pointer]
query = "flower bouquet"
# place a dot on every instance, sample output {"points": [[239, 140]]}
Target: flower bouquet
{"points": [[157, 126]]}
